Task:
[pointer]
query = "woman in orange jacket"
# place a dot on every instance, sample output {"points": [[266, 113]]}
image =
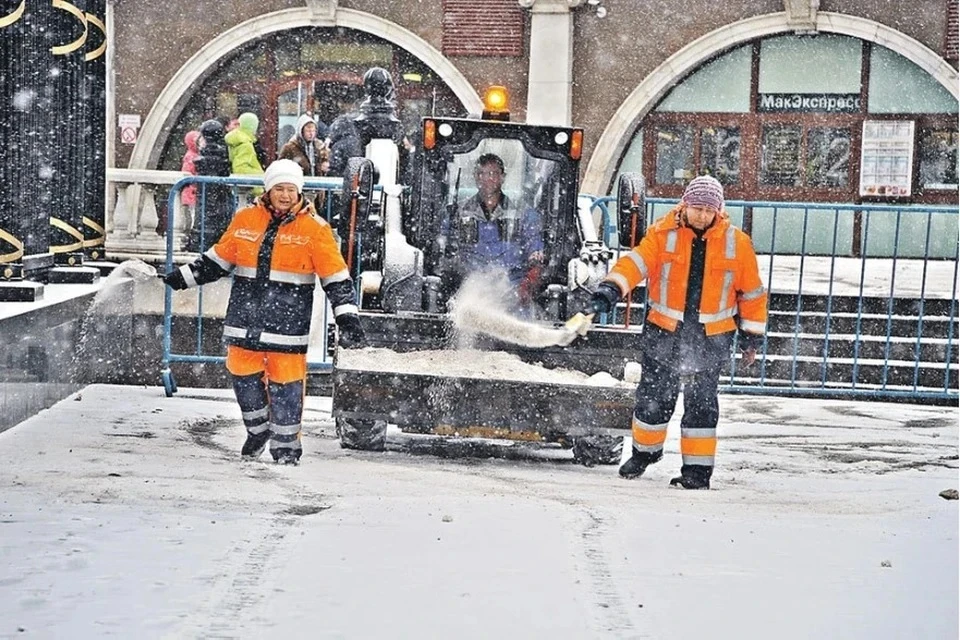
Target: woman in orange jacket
{"points": [[703, 284], [275, 250]]}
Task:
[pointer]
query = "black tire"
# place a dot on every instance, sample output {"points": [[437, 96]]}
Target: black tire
{"points": [[363, 168], [597, 449], [362, 435], [630, 187]]}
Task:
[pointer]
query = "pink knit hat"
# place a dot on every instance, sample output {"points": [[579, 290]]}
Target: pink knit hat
{"points": [[704, 191]]}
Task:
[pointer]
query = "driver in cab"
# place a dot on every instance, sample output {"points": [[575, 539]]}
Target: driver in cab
{"points": [[494, 233]]}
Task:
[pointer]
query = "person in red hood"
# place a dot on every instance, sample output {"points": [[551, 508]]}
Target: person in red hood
{"points": [[188, 196], [275, 250]]}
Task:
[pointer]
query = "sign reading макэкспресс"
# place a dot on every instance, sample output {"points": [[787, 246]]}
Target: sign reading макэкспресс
{"points": [[809, 102]]}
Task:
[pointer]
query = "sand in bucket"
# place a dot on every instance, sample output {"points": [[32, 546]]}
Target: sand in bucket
{"points": [[482, 305]]}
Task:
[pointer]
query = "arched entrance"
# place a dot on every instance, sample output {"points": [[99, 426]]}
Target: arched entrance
{"points": [[243, 45], [618, 139], [315, 70]]}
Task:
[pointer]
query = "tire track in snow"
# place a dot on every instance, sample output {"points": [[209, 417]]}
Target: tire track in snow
{"points": [[239, 589], [609, 611]]}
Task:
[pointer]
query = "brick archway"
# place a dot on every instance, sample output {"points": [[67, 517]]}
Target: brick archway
{"points": [[173, 98], [610, 147]]}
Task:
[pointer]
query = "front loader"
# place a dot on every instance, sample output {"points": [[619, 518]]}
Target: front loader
{"points": [[406, 249]]}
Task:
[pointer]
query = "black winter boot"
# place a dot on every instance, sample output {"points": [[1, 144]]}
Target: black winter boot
{"points": [[633, 468], [254, 445], [287, 457], [692, 481], [638, 463]]}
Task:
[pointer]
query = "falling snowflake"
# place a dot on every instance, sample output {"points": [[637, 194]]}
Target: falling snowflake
{"points": [[23, 99]]}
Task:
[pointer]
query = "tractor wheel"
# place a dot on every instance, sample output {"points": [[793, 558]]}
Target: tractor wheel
{"points": [[363, 435], [631, 209], [597, 449]]}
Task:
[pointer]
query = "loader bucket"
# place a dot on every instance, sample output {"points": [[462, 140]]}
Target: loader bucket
{"points": [[416, 376]]}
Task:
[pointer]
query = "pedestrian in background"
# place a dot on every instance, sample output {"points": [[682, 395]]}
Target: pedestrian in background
{"points": [[343, 143], [240, 144], [188, 195], [702, 282], [215, 202], [275, 250], [309, 151]]}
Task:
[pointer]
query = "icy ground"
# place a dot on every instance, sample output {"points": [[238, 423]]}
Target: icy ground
{"points": [[125, 514]]}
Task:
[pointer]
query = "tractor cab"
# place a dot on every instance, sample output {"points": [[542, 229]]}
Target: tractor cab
{"points": [[476, 193], [495, 194]]}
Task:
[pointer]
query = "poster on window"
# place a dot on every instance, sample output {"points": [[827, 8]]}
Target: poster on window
{"points": [[886, 158]]}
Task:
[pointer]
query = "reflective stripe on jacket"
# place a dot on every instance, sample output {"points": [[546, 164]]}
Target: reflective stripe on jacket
{"points": [[731, 278], [275, 263]]}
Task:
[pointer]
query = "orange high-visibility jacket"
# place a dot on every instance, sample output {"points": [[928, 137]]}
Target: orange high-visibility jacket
{"points": [[731, 278], [275, 263]]}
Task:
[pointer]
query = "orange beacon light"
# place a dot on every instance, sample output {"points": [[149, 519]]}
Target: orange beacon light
{"points": [[496, 104]]}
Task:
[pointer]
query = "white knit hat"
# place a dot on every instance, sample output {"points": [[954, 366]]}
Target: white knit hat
{"points": [[281, 171]]}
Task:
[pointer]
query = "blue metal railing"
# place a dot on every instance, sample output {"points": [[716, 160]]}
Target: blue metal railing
{"points": [[860, 304], [311, 185], [864, 287]]}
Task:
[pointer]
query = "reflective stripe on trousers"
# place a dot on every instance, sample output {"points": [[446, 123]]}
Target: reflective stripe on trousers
{"points": [[254, 406], [648, 438], [286, 403], [698, 446]]}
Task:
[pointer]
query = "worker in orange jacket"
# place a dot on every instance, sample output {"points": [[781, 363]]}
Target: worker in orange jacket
{"points": [[703, 284], [275, 251]]}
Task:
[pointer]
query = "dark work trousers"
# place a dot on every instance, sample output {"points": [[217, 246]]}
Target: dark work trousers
{"points": [[254, 404], [286, 404], [276, 408], [657, 395], [689, 357]]}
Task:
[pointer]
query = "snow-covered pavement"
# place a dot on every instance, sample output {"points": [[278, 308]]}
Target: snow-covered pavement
{"points": [[127, 514]]}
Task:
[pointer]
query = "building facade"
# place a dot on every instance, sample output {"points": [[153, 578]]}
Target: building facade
{"points": [[787, 100]]}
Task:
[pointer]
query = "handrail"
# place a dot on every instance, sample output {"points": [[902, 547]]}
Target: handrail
{"points": [[806, 205], [859, 340], [860, 291]]}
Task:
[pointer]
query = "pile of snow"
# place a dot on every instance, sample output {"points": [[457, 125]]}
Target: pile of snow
{"points": [[466, 363]]}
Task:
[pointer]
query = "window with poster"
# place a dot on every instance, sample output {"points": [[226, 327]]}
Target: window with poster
{"points": [[770, 128], [794, 155], [886, 159], [938, 159]]}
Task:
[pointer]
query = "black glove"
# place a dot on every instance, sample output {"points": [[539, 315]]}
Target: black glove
{"points": [[175, 280], [747, 341], [350, 330], [603, 299]]}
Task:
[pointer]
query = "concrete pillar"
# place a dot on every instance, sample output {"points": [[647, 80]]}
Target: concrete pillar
{"points": [[549, 91]]}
